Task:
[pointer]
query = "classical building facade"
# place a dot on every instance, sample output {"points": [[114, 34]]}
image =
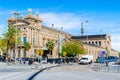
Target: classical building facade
{"points": [[38, 35]]}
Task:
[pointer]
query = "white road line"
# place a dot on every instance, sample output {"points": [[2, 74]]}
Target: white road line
{"points": [[27, 74]]}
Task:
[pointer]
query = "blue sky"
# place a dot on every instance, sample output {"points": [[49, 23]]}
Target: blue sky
{"points": [[102, 15]]}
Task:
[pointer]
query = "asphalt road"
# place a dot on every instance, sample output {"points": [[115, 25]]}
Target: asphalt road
{"points": [[56, 72]]}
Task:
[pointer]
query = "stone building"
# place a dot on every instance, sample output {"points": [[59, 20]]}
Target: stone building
{"points": [[96, 43], [38, 35]]}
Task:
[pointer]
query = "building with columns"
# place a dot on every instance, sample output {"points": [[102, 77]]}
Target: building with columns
{"points": [[38, 35]]}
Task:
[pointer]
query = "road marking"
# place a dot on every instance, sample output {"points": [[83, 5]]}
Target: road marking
{"points": [[19, 76]]}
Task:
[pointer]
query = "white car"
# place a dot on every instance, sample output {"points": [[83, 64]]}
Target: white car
{"points": [[86, 59], [44, 60]]}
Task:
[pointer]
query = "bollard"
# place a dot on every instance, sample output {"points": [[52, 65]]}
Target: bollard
{"points": [[108, 68], [118, 69]]}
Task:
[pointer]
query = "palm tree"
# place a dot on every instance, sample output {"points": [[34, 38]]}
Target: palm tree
{"points": [[9, 40]]}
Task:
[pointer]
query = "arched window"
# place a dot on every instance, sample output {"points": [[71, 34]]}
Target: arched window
{"points": [[24, 40], [96, 43], [99, 43], [89, 42], [92, 42]]}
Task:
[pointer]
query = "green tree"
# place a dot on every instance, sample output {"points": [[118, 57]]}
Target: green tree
{"points": [[27, 46], [3, 45], [72, 48], [9, 39], [50, 45]]}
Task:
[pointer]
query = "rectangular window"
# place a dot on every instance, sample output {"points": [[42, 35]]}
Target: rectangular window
{"points": [[33, 41], [14, 54], [19, 53], [24, 53], [34, 52], [43, 43], [24, 40]]}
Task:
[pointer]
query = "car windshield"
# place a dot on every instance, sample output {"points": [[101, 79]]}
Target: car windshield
{"points": [[84, 59], [43, 59]]}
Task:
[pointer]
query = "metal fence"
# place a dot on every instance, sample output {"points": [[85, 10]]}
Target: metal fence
{"points": [[110, 68]]}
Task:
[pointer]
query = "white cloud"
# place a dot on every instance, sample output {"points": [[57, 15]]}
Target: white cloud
{"points": [[66, 20], [115, 41]]}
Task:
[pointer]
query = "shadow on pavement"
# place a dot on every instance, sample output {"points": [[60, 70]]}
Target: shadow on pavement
{"points": [[33, 76]]}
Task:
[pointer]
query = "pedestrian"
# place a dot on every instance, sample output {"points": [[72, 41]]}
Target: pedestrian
{"points": [[106, 62], [24, 61], [20, 60]]}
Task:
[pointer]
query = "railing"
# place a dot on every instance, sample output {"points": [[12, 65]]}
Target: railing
{"points": [[102, 67]]}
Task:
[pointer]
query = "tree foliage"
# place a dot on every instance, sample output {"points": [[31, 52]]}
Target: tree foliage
{"points": [[9, 39], [27, 46], [3, 45], [50, 45], [72, 48]]}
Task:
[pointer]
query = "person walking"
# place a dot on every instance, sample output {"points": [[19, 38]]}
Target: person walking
{"points": [[106, 62]]}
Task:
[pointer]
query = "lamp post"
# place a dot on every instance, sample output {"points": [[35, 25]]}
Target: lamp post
{"points": [[101, 37], [87, 39], [18, 16], [59, 47]]}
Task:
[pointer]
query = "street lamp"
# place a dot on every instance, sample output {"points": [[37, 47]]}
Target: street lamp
{"points": [[18, 16], [87, 39], [101, 38]]}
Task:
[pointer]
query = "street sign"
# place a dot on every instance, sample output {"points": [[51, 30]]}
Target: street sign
{"points": [[102, 54]]}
